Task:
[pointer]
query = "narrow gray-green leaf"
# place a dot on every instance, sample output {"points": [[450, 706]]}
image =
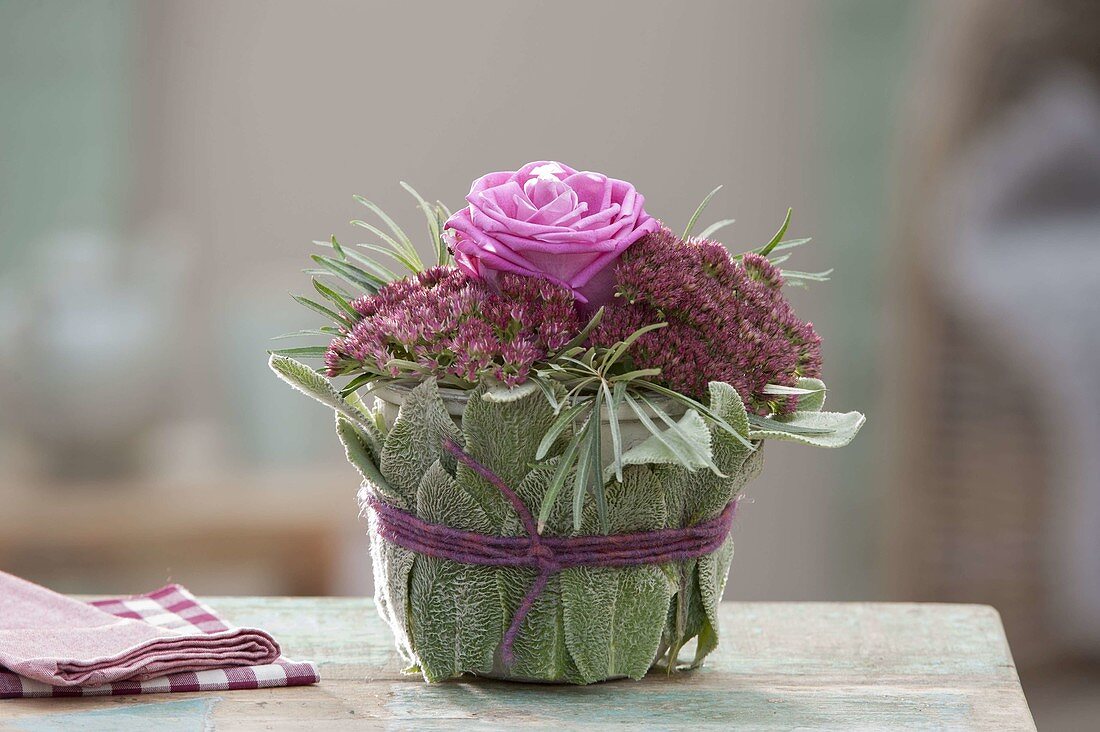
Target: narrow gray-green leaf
{"points": [[715, 227], [698, 212], [565, 463], [303, 352], [335, 298], [564, 420], [320, 309], [613, 400], [771, 245], [580, 481], [581, 337], [312, 384]]}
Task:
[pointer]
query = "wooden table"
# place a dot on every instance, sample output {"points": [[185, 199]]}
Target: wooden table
{"points": [[780, 666]]}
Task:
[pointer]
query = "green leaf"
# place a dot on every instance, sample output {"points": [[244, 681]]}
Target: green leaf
{"points": [[693, 441], [402, 243], [819, 429], [634, 375], [614, 617], [302, 352], [595, 470], [613, 400], [547, 389], [312, 384], [393, 253], [563, 422], [688, 446], [771, 245], [352, 386], [458, 620], [791, 274], [501, 393], [785, 390], [698, 211], [434, 229], [415, 441], [303, 334], [768, 423], [715, 227], [581, 337], [504, 437], [580, 479], [322, 310], [790, 244], [350, 273], [565, 464], [814, 400], [384, 273], [362, 448], [392, 566], [713, 571], [539, 649], [616, 352], [713, 415], [673, 447], [336, 299]]}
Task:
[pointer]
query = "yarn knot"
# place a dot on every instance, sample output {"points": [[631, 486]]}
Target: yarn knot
{"points": [[546, 558]]}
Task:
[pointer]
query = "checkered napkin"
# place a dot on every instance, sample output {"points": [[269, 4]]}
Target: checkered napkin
{"points": [[172, 608]]}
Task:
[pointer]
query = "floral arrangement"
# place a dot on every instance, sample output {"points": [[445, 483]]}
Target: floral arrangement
{"points": [[567, 403]]}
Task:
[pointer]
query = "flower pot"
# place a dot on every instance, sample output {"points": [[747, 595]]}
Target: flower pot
{"points": [[559, 614]]}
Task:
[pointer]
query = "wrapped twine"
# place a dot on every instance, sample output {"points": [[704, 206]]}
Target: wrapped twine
{"points": [[547, 554]]}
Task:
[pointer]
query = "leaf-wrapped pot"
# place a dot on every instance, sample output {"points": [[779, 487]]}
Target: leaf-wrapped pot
{"points": [[589, 623]]}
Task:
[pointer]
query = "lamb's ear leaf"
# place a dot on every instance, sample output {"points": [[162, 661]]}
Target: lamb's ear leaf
{"points": [[713, 569], [312, 384], [539, 651], [815, 401], [361, 454], [392, 566], [613, 617], [504, 437], [459, 618], [819, 429], [415, 441], [693, 440]]}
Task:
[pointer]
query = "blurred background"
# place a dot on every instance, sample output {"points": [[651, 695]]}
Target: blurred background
{"points": [[164, 167]]}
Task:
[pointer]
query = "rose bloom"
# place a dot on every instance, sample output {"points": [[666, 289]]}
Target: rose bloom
{"points": [[550, 221]]}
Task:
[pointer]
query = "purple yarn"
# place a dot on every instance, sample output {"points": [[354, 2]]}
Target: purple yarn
{"points": [[547, 554]]}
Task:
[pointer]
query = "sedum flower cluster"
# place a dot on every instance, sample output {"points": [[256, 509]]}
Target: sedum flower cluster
{"points": [[448, 324], [727, 320]]}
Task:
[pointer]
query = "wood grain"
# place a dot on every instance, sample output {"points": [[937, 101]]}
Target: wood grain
{"points": [[781, 666]]}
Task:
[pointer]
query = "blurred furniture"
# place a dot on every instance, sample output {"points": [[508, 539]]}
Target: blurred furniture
{"points": [[261, 534], [1001, 502], [786, 665]]}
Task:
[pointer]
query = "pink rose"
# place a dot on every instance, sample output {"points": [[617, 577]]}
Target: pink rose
{"points": [[547, 220]]}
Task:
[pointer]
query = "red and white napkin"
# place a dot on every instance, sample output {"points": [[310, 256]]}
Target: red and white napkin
{"points": [[166, 640]]}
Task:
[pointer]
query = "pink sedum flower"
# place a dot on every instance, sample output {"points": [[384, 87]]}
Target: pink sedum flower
{"points": [[549, 221], [452, 325], [727, 321]]}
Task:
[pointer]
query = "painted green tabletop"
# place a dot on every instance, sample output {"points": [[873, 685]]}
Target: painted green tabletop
{"points": [[780, 666]]}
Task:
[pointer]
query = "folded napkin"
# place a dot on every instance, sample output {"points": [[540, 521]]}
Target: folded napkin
{"points": [[166, 640]]}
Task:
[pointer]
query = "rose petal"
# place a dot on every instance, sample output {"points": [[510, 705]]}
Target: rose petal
{"points": [[592, 188]]}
